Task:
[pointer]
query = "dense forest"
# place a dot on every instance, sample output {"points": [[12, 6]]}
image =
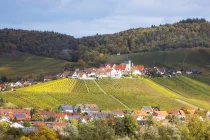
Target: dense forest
{"points": [[184, 34]]}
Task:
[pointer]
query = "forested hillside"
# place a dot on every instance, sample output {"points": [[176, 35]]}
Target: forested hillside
{"points": [[184, 34]]}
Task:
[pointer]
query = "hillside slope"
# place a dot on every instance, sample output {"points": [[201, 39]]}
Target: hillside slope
{"points": [[180, 58], [21, 64], [106, 93]]}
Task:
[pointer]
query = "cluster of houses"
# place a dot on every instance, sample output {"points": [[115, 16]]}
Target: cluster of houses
{"points": [[13, 85], [125, 69], [104, 71], [87, 112]]}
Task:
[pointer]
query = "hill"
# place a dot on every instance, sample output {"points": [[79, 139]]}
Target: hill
{"points": [[196, 92], [106, 93], [22, 64], [180, 58], [188, 33]]}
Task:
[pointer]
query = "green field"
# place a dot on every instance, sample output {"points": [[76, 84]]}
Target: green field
{"points": [[193, 89], [20, 64], [106, 93]]}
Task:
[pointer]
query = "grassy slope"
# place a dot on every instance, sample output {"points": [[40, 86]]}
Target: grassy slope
{"points": [[180, 58], [24, 64], [194, 91], [133, 92], [195, 87]]}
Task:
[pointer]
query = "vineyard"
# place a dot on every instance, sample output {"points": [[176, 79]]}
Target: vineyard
{"points": [[106, 93], [196, 92]]}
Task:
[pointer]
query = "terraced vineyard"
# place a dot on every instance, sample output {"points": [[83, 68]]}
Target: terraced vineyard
{"points": [[62, 91], [139, 92], [196, 92], [106, 93]]}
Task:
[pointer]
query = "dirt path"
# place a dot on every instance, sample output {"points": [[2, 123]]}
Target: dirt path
{"points": [[191, 105], [111, 95], [179, 100], [73, 86], [86, 86]]}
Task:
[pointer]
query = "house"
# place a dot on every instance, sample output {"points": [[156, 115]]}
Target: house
{"points": [[2, 87], [112, 73], [91, 72], [16, 125], [45, 114], [142, 122], [192, 112], [83, 76], [101, 115], [68, 117], [159, 115], [88, 108], [188, 71], [5, 112], [179, 72], [160, 70], [101, 73], [140, 114], [19, 84], [147, 109], [66, 74], [49, 124], [208, 114], [179, 113], [65, 108], [19, 116], [137, 70], [118, 113], [48, 77], [75, 75]]}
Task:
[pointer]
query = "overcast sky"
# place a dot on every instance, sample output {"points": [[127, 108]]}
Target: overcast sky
{"points": [[89, 17]]}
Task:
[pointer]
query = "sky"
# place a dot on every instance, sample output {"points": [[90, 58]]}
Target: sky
{"points": [[88, 17]]}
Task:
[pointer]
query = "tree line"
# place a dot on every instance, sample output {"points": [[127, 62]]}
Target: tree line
{"points": [[187, 33], [116, 128]]}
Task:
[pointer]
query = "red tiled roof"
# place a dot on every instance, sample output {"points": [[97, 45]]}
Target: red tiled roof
{"points": [[1, 85], [140, 67], [140, 113], [160, 113]]}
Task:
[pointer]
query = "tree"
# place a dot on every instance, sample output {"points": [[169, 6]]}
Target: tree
{"points": [[26, 124], [150, 121], [70, 132], [126, 126], [199, 129], [149, 133], [43, 133], [25, 138], [169, 132], [4, 79], [103, 130], [130, 125], [184, 131], [87, 131], [79, 110]]}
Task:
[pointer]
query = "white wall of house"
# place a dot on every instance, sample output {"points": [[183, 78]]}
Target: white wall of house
{"points": [[136, 72]]}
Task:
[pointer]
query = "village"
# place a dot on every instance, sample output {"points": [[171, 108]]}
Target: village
{"points": [[83, 113], [115, 71]]}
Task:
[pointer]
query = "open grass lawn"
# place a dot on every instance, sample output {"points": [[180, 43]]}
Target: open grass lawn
{"points": [[195, 89], [22, 64]]}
